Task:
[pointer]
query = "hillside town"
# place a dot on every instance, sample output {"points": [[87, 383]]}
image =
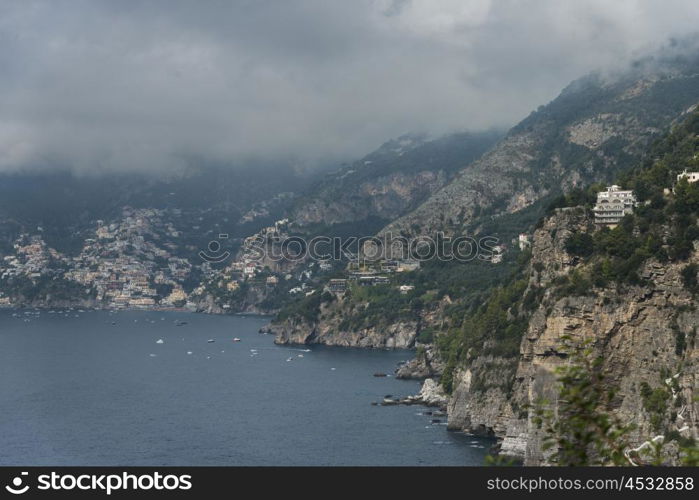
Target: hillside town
{"points": [[139, 261], [122, 266]]}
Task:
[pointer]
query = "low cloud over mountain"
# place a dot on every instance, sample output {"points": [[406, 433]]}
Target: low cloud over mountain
{"points": [[92, 85]]}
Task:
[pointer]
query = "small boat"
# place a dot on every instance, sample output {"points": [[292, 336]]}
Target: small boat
{"points": [[289, 359], [211, 341], [189, 352], [236, 339], [160, 341], [299, 355]]}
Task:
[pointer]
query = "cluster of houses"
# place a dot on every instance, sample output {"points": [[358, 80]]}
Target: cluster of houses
{"points": [[498, 251], [250, 260], [119, 264], [32, 258], [374, 274]]}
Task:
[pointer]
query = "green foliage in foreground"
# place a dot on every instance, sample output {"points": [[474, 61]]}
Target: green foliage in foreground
{"points": [[583, 431]]}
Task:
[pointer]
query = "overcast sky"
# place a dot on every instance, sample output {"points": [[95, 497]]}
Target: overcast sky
{"points": [[149, 85]]}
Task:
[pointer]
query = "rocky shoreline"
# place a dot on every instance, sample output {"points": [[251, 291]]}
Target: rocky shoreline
{"points": [[431, 394], [426, 364]]}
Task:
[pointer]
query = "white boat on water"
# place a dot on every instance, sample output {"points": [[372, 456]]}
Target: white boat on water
{"points": [[211, 341], [160, 341], [236, 339]]}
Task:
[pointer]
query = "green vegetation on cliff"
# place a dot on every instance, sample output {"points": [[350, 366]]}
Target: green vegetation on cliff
{"points": [[663, 226]]}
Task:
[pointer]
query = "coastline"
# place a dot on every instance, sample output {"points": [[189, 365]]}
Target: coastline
{"points": [[93, 307]]}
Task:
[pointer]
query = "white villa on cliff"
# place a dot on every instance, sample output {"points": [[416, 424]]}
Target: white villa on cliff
{"points": [[612, 205], [690, 176]]}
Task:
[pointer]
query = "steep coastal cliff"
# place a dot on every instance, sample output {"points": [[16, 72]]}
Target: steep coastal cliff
{"points": [[644, 334]]}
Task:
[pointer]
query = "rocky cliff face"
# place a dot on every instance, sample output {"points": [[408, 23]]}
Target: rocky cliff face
{"points": [[383, 197], [426, 364], [635, 329], [327, 329], [391, 181], [488, 179]]}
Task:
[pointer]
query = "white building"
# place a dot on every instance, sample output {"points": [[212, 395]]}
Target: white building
{"points": [[613, 204], [523, 241], [690, 176], [249, 270], [498, 254], [337, 285], [407, 265]]}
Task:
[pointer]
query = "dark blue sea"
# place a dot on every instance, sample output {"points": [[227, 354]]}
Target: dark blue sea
{"points": [[96, 388]]}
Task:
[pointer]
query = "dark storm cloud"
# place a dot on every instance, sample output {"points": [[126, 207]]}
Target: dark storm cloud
{"points": [[151, 85]]}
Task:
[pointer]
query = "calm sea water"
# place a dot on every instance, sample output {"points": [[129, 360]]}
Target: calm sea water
{"points": [[96, 388]]}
